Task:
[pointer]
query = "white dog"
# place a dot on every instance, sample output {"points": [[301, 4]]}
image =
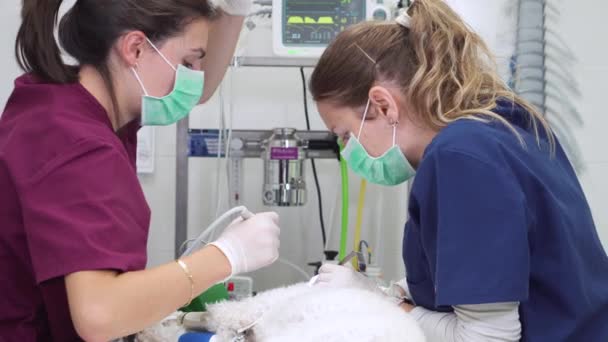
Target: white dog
{"points": [[303, 313]]}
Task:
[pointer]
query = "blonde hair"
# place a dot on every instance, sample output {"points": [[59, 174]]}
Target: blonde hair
{"points": [[445, 69]]}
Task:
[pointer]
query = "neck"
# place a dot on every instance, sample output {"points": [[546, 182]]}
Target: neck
{"points": [[416, 141], [425, 140], [94, 83]]}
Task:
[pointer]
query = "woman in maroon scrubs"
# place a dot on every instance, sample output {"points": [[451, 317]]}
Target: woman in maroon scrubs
{"points": [[73, 218]]}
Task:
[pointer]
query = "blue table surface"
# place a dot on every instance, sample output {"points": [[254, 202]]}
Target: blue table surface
{"points": [[196, 337]]}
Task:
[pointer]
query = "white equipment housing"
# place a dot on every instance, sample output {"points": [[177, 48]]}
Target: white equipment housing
{"points": [[304, 28]]}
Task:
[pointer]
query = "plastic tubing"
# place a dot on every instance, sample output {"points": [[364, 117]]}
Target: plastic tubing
{"points": [[359, 222], [220, 222], [299, 269]]}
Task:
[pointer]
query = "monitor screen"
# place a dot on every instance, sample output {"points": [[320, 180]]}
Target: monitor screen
{"points": [[318, 22]]}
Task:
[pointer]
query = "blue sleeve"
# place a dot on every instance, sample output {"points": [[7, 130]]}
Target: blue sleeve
{"points": [[474, 231]]}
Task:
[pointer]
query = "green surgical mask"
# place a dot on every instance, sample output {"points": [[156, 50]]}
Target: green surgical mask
{"points": [[186, 94], [390, 169]]}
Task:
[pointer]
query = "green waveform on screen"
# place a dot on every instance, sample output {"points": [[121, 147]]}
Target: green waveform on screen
{"points": [[296, 20]]}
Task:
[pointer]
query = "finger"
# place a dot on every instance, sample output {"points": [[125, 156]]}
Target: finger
{"points": [[236, 221], [321, 284], [276, 245], [272, 215], [313, 281], [275, 230], [330, 268], [324, 278]]}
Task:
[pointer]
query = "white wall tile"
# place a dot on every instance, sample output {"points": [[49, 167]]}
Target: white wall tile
{"points": [[166, 141], [595, 184], [581, 25], [160, 257], [159, 189], [590, 70], [10, 18], [589, 134]]}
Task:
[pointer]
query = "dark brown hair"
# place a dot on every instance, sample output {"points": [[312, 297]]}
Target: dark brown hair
{"points": [[444, 69], [89, 29]]}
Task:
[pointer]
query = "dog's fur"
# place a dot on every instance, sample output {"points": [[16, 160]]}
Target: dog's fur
{"points": [[303, 313]]}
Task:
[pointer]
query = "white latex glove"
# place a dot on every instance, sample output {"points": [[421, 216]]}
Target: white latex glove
{"points": [[402, 287], [335, 276], [251, 244], [234, 7]]}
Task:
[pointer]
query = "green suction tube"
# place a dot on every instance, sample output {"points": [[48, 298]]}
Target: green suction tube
{"points": [[345, 202]]}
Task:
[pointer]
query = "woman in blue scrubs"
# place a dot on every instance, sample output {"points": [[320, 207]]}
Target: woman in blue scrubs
{"points": [[500, 244]]}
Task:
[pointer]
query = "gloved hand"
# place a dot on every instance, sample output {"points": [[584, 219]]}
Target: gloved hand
{"points": [[335, 276], [401, 289], [234, 7], [251, 244]]}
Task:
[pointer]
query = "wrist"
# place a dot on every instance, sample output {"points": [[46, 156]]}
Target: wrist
{"points": [[223, 266], [407, 307], [395, 293]]}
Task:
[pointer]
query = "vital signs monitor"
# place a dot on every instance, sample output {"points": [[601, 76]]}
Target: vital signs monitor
{"points": [[303, 28]]}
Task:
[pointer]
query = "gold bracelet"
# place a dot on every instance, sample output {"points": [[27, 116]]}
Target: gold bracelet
{"points": [[190, 278]]}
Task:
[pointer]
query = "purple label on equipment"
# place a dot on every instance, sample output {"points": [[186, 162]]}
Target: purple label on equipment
{"points": [[284, 153]]}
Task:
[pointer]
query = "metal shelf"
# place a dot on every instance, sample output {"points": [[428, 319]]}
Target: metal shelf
{"points": [[276, 62], [253, 141]]}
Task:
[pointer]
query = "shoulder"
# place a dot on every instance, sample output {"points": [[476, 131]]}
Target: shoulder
{"points": [[482, 141], [484, 137], [59, 113], [42, 123], [471, 152]]}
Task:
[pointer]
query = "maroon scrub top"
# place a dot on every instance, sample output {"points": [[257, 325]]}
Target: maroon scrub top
{"points": [[70, 201]]}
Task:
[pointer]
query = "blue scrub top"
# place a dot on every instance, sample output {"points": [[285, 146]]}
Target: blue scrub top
{"points": [[492, 221]]}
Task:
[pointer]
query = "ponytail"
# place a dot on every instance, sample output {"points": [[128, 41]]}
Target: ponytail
{"points": [[457, 73], [455, 67], [36, 49]]}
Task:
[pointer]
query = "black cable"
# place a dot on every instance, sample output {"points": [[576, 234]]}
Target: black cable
{"points": [[305, 96], [404, 4], [312, 161]]}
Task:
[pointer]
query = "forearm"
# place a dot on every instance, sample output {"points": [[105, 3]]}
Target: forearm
{"points": [[105, 305], [471, 323], [223, 38]]}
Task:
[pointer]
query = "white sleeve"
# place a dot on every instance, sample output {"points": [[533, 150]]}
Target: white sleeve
{"points": [[471, 323]]}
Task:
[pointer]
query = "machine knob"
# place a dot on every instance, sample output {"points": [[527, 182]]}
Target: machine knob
{"points": [[236, 144], [269, 196], [380, 14]]}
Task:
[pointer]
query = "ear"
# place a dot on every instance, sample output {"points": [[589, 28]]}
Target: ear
{"points": [[385, 103], [131, 46]]}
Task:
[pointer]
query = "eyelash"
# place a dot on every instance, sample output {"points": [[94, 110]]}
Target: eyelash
{"points": [[188, 65]]}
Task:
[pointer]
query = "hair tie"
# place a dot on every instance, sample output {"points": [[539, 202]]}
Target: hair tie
{"points": [[404, 19]]}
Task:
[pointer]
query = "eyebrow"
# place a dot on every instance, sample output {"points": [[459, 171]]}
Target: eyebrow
{"points": [[201, 51]]}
